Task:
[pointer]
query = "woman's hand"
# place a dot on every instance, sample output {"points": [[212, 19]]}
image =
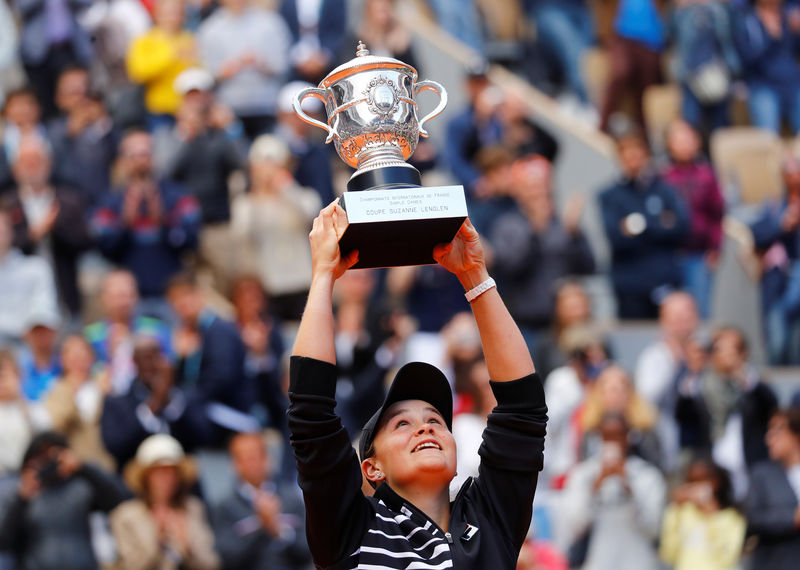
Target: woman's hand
{"points": [[464, 256], [324, 238]]}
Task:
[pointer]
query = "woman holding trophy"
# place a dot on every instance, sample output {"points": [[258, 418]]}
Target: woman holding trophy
{"points": [[407, 451]]}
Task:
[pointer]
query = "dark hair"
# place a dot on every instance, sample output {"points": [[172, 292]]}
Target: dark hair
{"points": [[42, 444], [724, 491], [24, 91], [792, 417], [741, 345], [182, 279]]}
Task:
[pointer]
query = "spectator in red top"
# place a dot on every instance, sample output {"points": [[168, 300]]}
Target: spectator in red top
{"points": [[693, 178]]}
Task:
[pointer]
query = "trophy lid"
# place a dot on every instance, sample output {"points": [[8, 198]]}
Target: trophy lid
{"points": [[363, 62]]}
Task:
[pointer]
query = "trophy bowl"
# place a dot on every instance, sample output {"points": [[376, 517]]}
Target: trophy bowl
{"points": [[372, 118]]}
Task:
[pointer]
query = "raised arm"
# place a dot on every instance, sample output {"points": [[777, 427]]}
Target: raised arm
{"points": [[507, 355], [315, 335]]}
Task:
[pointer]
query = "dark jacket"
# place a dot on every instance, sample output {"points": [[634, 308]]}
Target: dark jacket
{"points": [[767, 231], [152, 252], [68, 238], [770, 509], [647, 260], [52, 529], [203, 165], [33, 48], [488, 519], [125, 423], [766, 60], [529, 264], [242, 542], [332, 24], [215, 373], [755, 407]]}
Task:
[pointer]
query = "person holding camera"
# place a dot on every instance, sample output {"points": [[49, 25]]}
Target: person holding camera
{"points": [[702, 528], [46, 522]]}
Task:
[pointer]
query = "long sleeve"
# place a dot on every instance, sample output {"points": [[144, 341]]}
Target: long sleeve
{"points": [[110, 234], [328, 469], [181, 225], [135, 536], [149, 56], [12, 524], [60, 404], [512, 454], [767, 517], [108, 491]]}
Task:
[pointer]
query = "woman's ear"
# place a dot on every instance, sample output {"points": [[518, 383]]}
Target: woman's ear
{"points": [[372, 470]]}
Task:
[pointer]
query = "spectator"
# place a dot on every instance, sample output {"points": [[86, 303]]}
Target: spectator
{"points": [[725, 408], [76, 402], [55, 217], [707, 61], [702, 507], [26, 285], [613, 503], [22, 116], [260, 523], [317, 32], [777, 236], [111, 338], [521, 133], [46, 522], [273, 220], [572, 307], [84, 137], [766, 36], [635, 55], [660, 363], [148, 224], [566, 31], [475, 127], [613, 393], [156, 58], [383, 32], [246, 48], [152, 404], [39, 359], [694, 180], [566, 389], [9, 47], [15, 416], [164, 526], [773, 513], [645, 221], [211, 355], [262, 338], [51, 40], [534, 247], [312, 158]]}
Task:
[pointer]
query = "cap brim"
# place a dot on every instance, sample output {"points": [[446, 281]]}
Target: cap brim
{"points": [[414, 381]]}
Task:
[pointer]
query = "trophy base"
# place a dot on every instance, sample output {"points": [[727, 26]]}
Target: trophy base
{"points": [[384, 177], [391, 227]]}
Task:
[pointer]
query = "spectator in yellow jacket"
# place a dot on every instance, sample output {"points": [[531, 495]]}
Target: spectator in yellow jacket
{"points": [[702, 530], [156, 58]]}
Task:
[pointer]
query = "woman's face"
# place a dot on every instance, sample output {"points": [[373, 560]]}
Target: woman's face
{"points": [[162, 483], [781, 442], [615, 391], [572, 306], [76, 357], [682, 142], [414, 446]]}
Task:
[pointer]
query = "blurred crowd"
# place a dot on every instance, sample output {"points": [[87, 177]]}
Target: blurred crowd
{"points": [[156, 194]]}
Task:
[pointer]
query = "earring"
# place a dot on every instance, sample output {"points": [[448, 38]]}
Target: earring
{"points": [[379, 475]]}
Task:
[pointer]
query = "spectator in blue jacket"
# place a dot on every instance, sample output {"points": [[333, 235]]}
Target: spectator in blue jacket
{"points": [[152, 404], [767, 39], [646, 223], [211, 358], [777, 236], [147, 225], [316, 36]]}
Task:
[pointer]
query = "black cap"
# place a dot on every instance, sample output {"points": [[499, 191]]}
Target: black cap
{"points": [[414, 381]]}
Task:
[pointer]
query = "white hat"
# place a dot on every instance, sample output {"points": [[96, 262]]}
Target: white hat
{"points": [[269, 147], [156, 451], [193, 79], [45, 318], [286, 96]]}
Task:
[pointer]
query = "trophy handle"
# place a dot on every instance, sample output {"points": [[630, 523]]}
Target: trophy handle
{"points": [[429, 85], [320, 94]]}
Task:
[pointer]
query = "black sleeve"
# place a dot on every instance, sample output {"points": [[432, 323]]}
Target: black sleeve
{"points": [[108, 491], [329, 473], [512, 454], [12, 524]]}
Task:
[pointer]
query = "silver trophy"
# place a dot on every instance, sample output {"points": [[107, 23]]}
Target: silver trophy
{"points": [[372, 121]]}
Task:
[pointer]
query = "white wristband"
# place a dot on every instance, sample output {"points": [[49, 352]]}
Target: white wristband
{"points": [[479, 289]]}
